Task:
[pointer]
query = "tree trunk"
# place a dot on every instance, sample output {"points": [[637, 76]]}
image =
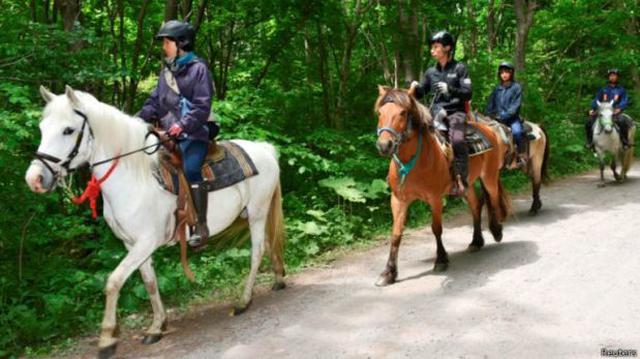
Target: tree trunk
{"points": [[32, 8], [70, 10], [525, 10], [200, 14], [632, 30], [323, 70], [352, 26], [186, 9], [491, 26], [171, 10], [133, 82], [473, 36]]}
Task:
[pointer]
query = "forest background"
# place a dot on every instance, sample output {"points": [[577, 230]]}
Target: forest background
{"points": [[302, 75]]}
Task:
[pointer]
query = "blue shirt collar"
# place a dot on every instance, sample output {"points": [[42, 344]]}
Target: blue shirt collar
{"points": [[184, 59]]}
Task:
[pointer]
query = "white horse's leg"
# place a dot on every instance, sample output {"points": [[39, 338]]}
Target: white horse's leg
{"points": [[257, 228], [138, 254], [614, 166], [601, 159], [154, 333]]}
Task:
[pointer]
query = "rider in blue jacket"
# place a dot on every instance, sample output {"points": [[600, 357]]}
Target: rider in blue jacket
{"points": [[504, 105], [182, 103], [614, 92]]}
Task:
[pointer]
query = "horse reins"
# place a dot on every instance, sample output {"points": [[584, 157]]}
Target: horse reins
{"points": [[44, 157]]}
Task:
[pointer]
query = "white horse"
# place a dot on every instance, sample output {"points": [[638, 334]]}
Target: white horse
{"points": [[607, 140], [78, 129]]}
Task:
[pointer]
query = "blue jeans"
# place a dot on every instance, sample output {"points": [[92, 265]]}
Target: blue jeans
{"points": [[193, 154], [516, 129]]}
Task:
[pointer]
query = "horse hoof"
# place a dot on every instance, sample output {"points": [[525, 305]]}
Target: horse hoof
{"points": [[440, 267], [474, 248], [107, 352], [535, 207], [151, 338], [237, 310], [385, 280], [278, 286]]}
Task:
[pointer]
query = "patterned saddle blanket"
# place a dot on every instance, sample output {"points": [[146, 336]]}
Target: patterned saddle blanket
{"points": [[225, 166], [477, 142]]}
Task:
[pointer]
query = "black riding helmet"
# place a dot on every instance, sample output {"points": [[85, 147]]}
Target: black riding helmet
{"points": [[444, 38], [181, 32], [509, 66]]}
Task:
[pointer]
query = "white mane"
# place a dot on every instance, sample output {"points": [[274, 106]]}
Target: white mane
{"points": [[114, 131]]}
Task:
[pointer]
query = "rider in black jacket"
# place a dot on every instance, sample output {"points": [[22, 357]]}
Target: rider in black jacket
{"points": [[449, 81]]}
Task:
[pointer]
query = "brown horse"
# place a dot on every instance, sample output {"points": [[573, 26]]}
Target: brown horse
{"points": [[536, 167], [419, 170]]}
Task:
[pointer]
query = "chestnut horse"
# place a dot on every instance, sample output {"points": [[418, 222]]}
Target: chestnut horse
{"points": [[419, 170]]}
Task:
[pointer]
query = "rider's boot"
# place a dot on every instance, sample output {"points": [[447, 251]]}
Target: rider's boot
{"points": [[200, 234]]}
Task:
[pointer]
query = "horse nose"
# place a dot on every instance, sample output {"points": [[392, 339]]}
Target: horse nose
{"points": [[384, 147]]}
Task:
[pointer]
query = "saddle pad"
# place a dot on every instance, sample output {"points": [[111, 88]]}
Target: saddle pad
{"points": [[476, 141], [630, 122], [223, 168], [234, 167]]}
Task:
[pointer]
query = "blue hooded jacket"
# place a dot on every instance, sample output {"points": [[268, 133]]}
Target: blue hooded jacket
{"points": [[505, 102]]}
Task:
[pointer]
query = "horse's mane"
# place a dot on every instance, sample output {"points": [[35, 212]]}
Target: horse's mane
{"points": [[116, 132], [401, 97]]}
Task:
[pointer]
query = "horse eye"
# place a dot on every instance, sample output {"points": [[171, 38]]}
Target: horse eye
{"points": [[67, 131]]}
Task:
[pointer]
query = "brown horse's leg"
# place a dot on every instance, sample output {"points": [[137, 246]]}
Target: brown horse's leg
{"points": [[442, 259], [492, 197], [476, 211], [537, 203], [536, 181], [390, 272]]}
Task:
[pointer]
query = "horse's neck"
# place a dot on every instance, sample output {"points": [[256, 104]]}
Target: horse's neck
{"points": [[430, 152], [127, 178]]}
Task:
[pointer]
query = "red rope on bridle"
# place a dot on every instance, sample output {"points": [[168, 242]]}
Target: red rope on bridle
{"points": [[92, 191]]}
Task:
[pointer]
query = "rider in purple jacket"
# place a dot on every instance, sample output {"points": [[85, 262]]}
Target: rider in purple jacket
{"points": [[181, 102]]}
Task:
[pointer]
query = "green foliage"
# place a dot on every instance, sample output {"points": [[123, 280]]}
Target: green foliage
{"points": [[301, 75]]}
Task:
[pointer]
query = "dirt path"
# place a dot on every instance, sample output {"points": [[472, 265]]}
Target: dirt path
{"points": [[563, 284]]}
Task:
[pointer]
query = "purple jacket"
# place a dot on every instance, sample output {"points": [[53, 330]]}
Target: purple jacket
{"points": [[195, 85]]}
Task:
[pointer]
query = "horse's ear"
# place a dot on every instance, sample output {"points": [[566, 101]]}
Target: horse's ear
{"points": [[383, 89], [598, 103], [411, 91], [47, 96], [71, 95]]}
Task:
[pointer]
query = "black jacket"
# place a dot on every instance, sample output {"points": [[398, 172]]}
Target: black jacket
{"points": [[456, 76]]}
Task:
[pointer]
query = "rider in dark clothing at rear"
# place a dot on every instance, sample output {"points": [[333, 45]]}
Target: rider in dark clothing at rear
{"points": [[451, 85], [617, 94]]}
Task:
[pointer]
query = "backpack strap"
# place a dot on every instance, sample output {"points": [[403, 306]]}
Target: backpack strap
{"points": [[171, 81]]}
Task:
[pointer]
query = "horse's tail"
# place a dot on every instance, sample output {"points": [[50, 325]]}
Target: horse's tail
{"points": [[544, 170], [275, 233], [628, 155], [504, 201]]}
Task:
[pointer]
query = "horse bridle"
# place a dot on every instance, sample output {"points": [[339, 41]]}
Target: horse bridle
{"points": [[44, 157], [398, 137]]}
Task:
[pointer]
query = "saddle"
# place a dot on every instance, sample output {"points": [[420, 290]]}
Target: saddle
{"points": [[476, 141], [226, 164]]}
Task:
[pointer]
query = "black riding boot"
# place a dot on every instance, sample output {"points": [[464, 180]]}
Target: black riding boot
{"points": [[460, 174], [588, 128], [523, 156], [624, 131], [200, 197]]}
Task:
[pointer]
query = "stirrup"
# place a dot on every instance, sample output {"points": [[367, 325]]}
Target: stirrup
{"points": [[196, 240], [458, 188]]}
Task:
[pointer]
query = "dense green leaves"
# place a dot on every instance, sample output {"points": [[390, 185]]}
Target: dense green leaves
{"points": [[301, 75]]}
